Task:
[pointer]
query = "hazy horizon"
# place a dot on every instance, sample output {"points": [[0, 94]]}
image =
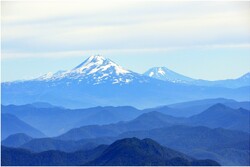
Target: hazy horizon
{"points": [[38, 75]]}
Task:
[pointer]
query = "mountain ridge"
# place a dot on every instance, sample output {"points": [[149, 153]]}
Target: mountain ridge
{"points": [[11, 124], [99, 81]]}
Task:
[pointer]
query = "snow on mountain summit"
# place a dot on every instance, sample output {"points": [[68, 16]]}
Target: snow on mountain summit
{"points": [[98, 64], [163, 73], [95, 69]]}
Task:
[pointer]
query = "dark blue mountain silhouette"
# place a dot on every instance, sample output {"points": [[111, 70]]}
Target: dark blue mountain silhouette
{"points": [[122, 152]]}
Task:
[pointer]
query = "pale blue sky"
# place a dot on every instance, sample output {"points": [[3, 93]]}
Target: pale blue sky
{"points": [[205, 40]]}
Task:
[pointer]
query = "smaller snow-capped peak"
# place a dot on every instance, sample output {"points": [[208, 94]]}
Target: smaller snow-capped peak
{"points": [[157, 71], [163, 73]]}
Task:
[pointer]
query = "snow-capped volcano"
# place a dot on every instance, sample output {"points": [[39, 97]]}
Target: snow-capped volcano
{"points": [[165, 74], [96, 69], [98, 64]]}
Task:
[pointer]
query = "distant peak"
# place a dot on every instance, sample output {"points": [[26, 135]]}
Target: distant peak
{"points": [[157, 71], [163, 68], [135, 141], [218, 106], [160, 68], [153, 113], [165, 74], [246, 76], [19, 135]]}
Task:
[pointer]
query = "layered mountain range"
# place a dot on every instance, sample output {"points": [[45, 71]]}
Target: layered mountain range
{"points": [[218, 132], [100, 81], [48, 118]]}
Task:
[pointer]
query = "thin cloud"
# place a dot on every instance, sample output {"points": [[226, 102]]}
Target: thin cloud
{"points": [[80, 53], [34, 27]]}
